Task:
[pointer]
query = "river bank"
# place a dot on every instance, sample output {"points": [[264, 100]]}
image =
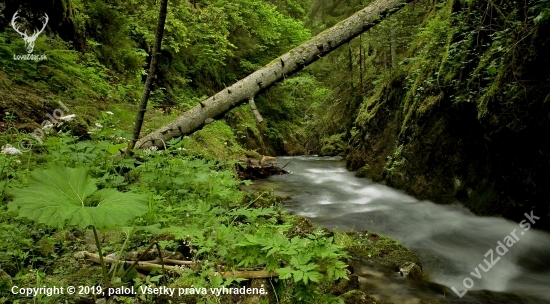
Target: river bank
{"points": [[450, 240]]}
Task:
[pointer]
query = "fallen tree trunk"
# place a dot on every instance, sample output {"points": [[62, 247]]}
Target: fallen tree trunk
{"points": [[153, 265], [254, 274], [280, 68], [145, 266]]}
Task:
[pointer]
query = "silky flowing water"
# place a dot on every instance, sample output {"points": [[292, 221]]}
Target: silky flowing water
{"points": [[450, 240]]}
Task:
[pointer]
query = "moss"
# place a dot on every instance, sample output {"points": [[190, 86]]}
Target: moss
{"points": [[455, 107], [428, 103], [216, 141], [376, 247], [248, 133]]}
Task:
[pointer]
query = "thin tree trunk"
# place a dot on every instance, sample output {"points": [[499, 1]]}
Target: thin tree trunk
{"points": [[151, 75], [279, 69]]}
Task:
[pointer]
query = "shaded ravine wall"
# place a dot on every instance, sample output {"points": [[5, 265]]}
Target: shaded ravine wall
{"points": [[466, 119]]}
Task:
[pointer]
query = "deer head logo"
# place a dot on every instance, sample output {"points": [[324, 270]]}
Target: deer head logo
{"points": [[29, 40]]}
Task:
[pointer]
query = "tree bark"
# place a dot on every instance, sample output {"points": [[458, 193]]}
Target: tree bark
{"points": [[151, 75], [280, 68]]}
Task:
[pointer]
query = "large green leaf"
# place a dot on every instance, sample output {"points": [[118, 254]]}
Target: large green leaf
{"points": [[65, 196]]}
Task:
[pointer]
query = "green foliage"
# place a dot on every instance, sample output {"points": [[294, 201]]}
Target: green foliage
{"points": [[334, 145], [250, 238], [376, 247], [295, 113], [64, 196], [189, 190], [542, 7], [109, 28], [472, 83], [216, 141]]}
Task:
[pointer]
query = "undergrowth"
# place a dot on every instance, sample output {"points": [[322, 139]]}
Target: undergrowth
{"points": [[191, 203]]}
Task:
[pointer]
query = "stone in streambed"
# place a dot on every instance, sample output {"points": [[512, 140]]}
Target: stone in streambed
{"points": [[411, 271]]}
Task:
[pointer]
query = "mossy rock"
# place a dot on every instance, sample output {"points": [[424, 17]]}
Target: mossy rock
{"points": [[376, 247], [411, 271]]}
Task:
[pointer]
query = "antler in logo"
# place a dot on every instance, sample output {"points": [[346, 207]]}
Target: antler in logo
{"points": [[29, 40]]}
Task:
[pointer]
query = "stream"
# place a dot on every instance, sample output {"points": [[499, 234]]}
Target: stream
{"points": [[451, 241]]}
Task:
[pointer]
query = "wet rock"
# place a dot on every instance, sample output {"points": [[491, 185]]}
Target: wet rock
{"points": [[411, 271]]}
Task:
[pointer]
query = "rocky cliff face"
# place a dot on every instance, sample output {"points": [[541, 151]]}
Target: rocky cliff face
{"points": [[466, 118]]}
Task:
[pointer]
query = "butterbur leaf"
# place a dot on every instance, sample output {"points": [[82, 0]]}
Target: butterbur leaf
{"points": [[65, 196]]}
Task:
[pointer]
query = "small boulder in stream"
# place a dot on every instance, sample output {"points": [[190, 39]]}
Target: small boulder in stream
{"points": [[411, 271]]}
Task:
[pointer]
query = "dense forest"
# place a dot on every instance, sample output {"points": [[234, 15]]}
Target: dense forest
{"points": [[447, 101]]}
